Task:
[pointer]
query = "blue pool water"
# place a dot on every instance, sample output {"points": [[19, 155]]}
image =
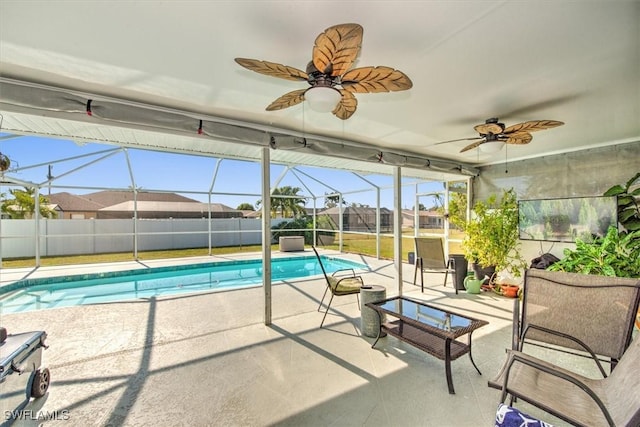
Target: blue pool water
{"points": [[39, 294]]}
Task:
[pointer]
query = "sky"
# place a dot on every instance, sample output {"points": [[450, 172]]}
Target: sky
{"points": [[94, 165]]}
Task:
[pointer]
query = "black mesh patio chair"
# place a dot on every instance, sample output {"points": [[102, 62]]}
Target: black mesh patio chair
{"points": [[430, 259], [339, 285]]}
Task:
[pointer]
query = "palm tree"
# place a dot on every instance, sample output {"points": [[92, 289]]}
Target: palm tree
{"points": [[332, 201], [23, 204], [289, 206], [293, 204]]}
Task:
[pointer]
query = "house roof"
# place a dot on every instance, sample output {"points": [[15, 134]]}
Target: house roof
{"points": [[161, 206], [354, 210], [109, 198], [71, 202], [123, 201]]}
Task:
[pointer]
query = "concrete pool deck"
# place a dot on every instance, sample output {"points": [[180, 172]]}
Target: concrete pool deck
{"points": [[207, 359]]}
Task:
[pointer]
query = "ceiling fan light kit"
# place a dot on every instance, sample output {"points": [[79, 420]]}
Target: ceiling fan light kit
{"points": [[323, 99], [334, 53], [491, 147]]}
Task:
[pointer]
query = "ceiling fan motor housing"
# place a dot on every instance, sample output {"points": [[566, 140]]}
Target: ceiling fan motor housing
{"points": [[318, 78]]}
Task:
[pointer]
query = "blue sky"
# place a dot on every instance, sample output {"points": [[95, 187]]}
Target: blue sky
{"points": [[180, 173]]}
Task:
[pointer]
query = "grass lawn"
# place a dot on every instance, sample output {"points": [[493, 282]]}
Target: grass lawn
{"points": [[352, 243]]}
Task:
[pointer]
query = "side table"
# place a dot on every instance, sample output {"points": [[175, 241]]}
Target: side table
{"points": [[369, 319]]}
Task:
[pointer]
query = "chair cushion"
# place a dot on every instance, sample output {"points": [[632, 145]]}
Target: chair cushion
{"points": [[345, 285], [507, 416]]}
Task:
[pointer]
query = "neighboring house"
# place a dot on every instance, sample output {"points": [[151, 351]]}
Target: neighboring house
{"points": [[427, 219], [252, 214], [120, 204], [71, 206], [361, 218]]}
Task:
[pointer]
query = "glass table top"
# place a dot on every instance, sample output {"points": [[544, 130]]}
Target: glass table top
{"points": [[425, 314]]}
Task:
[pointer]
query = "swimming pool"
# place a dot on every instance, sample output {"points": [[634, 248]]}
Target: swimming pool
{"points": [[40, 294]]}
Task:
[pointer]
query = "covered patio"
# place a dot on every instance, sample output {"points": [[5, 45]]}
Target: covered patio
{"points": [[163, 78], [209, 359]]}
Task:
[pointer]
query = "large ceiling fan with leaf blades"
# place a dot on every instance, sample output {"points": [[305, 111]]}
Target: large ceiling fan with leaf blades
{"points": [[334, 53], [493, 131]]}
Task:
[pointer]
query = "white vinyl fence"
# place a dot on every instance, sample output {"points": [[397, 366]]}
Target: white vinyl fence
{"points": [[95, 236]]}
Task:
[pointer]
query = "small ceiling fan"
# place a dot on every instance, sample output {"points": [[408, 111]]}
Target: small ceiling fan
{"points": [[493, 131], [330, 73]]}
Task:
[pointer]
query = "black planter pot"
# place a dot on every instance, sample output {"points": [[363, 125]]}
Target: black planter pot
{"points": [[459, 266], [480, 272]]}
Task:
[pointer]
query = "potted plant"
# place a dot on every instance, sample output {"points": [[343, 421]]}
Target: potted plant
{"points": [[5, 162], [628, 195], [491, 239], [615, 254]]}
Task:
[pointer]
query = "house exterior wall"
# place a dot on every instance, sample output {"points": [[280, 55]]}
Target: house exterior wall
{"points": [[578, 174]]}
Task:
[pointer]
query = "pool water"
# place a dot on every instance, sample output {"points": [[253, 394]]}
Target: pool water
{"points": [[39, 294]]}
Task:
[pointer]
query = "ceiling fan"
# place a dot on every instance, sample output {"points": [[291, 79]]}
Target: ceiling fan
{"points": [[492, 131], [330, 75]]}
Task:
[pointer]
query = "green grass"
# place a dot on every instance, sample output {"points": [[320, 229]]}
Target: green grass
{"points": [[128, 256], [352, 243]]}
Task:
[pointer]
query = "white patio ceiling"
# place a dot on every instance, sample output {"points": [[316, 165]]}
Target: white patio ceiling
{"points": [[577, 62]]}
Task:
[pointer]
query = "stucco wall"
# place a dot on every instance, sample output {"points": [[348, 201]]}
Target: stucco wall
{"points": [[577, 174]]}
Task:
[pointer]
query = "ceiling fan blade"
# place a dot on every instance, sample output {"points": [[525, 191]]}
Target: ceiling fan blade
{"points": [[487, 128], [532, 126], [336, 49], [375, 79], [287, 100], [475, 138], [347, 105], [518, 138], [273, 69], [473, 145]]}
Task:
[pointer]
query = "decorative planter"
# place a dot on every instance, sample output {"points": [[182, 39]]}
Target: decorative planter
{"points": [[472, 285], [5, 162], [510, 291], [481, 273]]}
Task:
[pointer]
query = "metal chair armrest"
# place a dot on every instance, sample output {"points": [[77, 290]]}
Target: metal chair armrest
{"points": [[586, 348]]}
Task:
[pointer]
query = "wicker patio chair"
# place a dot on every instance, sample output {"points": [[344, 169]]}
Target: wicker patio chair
{"points": [[430, 259], [583, 314], [611, 401], [339, 286]]}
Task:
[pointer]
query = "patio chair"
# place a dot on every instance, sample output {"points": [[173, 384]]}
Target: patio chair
{"points": [[339, 286], [583, 314], [582, 401], [430, 259]]}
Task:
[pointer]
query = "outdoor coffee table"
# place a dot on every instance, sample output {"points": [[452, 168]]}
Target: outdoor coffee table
{"points": [[429, 328]]}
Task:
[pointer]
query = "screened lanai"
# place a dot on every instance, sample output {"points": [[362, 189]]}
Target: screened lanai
{"points": [[275, 160]]}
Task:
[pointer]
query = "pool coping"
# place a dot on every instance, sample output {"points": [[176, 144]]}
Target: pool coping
{"points": [[144, 269]]}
